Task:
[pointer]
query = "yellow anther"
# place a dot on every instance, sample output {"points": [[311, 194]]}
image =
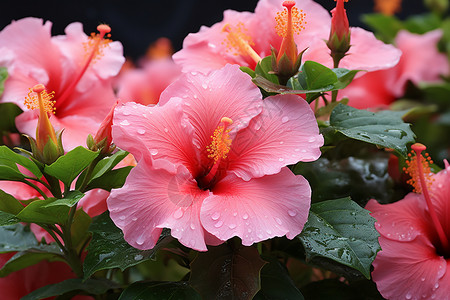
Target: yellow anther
{"points": [[238, 42], [221, 141], [32, 100], [297, 19]]}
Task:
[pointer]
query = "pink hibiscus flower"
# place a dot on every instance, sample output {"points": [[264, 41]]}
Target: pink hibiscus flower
{"points": [[415, 259], [384, 86], [77, 69], [145, 85], [20, 283], [211, 163], [243, 38]]}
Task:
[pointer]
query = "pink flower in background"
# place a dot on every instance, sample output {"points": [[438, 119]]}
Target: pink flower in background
{"points": [[20, 283], [415, 259], [145, 85], [155, 72], [77, 69], [229, 41], [211, 163], [420, 62]]}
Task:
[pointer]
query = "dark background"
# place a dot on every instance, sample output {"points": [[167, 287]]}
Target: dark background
{"points": [[138, 23]]}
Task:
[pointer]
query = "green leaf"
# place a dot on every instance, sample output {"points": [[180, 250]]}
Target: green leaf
{"points": [[3, 77], [108, 249], [342, 231], [113, 179], [9, 204], [8, 219], [50, 211], [276, 283], [10, 158], [423, 23], [80, 226], [108, 163], [159, 290], [227, 272], [67, 167], [16, 238], [25, 259], [77, 285], [385, 128], [264, 67], [9, 111], [248, 71]]}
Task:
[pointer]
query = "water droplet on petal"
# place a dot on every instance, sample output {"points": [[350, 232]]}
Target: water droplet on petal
{"points": [[423, 278], [124, 123], [122, 217], [141, 131], [133, 219], [292, 213], [178, 213], [232, 226], [284, 119], [281, 159], [269, 231], [204, 85], [278, 220], [153, 151], [166, 129], [235, 214], [218, 224], [192, 226], [215, 215], [245, 217], [297, 150], [194, 73], [312, 139], [281, 143], [408, 296]]}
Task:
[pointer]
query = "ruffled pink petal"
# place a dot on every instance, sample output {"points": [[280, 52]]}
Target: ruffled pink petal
{"points": [[440, 196], [366, 53], [94, 202], [431, 64], [71, 45], [259, 209], [409, 270], [206, 50], [284, 133], [163, 130], [403, 220], [227, 92], [31, 33], [152, 199]]}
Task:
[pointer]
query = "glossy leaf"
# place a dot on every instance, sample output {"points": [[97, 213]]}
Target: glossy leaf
{"points": [[25, 259], [50, 211], [113, 179], [276, 283], [385, 27], [108, 249], [385, 128], [90, 286], [8, 219], [9, 158], [16, 238], [227, 272], [159, 290], [67, 167], [264, 67], [9, 204], [342, 231]]}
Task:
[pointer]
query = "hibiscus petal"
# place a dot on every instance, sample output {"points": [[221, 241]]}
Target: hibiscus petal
{"points": [[259, 209], [440, 196], [408, 270], [284, 133], [227, 92], [154, 198], [163, 130], [403, 220]]}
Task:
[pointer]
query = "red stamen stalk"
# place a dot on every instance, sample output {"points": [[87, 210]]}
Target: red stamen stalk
{"points": [[418, 148]]}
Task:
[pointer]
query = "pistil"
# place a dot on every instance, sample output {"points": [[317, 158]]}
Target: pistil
{"points": [[219, 148], [95, 45], [419, 177], [239, 41]]}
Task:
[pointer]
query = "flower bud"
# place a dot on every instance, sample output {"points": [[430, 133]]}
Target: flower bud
{"points": [[339, 40]]}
